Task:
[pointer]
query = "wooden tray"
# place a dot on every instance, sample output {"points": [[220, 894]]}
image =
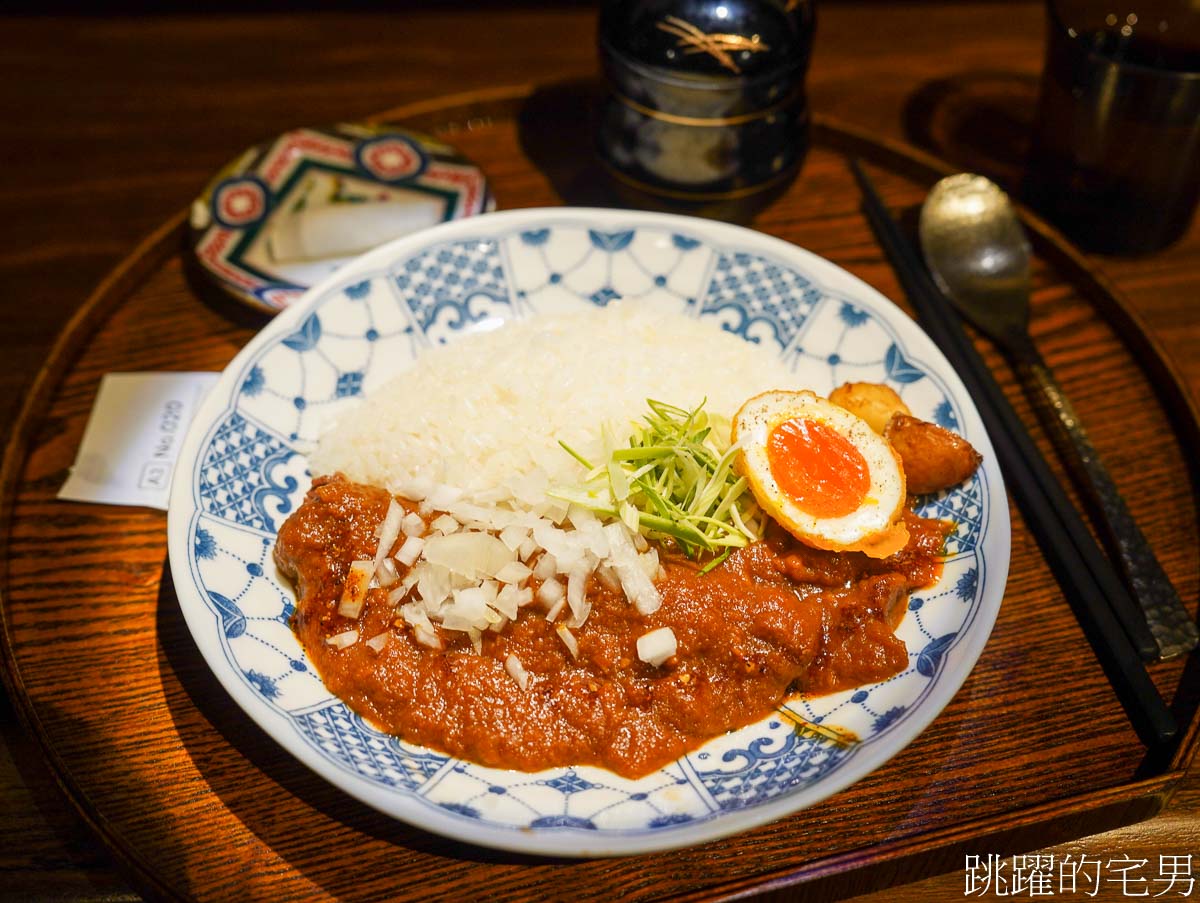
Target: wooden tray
{"points": [[197, 802]]}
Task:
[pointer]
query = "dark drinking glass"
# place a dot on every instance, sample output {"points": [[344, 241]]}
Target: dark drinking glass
{"points": [[1115, 156]]}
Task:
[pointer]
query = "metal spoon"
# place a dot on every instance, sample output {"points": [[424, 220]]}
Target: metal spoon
{"points": [[979, 256]]}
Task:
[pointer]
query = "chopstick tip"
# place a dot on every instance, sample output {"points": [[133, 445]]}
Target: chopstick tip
{"points": [[860, 174]]}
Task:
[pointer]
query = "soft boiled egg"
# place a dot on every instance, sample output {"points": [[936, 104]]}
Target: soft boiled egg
{"points": [[822, 473]]}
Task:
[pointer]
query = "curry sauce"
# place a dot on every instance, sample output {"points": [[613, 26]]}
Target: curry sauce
{"points": [[775, 618]]}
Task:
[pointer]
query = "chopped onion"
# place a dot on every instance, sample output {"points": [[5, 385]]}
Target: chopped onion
{"points": [[388, 532], [468, 568], [513, 572], [555, 510], [608, 576], [343, 639], [397, 594], [473, 555], [648, 561], [568, 639], [514, 536], [556, 609], [414, 613], [516, 671], [639, 589], [354, 590], [657, 646], [470, 604], [577, 620], [550, 592], [433, 586], [444, 523], [507, 601], [546, 567], [576, 594], [386, 574], [594, 539], [427, 638], [410, 550], [553, 540], [483, 517], [378, 641]]}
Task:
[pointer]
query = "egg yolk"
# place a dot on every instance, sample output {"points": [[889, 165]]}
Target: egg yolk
{"points": [[817, 467]]}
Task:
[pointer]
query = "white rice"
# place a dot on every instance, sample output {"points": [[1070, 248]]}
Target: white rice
{"points": [[477, 413]]}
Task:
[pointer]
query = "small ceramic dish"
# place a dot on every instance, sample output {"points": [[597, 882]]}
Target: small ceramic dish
{"points": [[287, 213]]}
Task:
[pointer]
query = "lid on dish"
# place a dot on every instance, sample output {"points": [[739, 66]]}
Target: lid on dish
{"points": [[692, 40], [288, 212]]}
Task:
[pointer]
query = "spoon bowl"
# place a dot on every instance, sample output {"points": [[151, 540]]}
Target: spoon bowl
{"points": [[978, 254]]}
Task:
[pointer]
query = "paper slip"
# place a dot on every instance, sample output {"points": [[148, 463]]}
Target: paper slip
{"points": [[133, 437]]}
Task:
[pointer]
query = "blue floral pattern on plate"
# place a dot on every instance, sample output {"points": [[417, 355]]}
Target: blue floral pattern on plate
{"points": [[243, 470]]}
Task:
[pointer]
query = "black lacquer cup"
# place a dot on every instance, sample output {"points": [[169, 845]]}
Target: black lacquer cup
{"points": [[705, 98]]}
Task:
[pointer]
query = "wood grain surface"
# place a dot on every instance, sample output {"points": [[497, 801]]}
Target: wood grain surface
{"points": [[121, 122]]}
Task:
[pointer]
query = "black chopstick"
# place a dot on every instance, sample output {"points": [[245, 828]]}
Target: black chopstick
{"points": [[1109, 617]]}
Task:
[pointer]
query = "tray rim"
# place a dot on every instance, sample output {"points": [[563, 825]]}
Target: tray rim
{"points": [[1144, 797]]}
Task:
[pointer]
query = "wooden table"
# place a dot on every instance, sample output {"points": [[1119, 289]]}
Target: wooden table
{"points": [[113, 124]]}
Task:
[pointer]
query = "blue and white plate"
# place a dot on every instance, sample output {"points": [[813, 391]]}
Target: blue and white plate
{"points": [[243, 470]]}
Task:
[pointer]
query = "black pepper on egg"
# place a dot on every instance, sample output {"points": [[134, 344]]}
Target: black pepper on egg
{"points": [[705, 98]]}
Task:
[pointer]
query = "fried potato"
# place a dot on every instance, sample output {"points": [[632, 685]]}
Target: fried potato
{"points": [[872, 402], [934, 458]]}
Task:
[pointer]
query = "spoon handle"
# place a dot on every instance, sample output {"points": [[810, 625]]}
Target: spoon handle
{"points": [[1168, 620]]}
